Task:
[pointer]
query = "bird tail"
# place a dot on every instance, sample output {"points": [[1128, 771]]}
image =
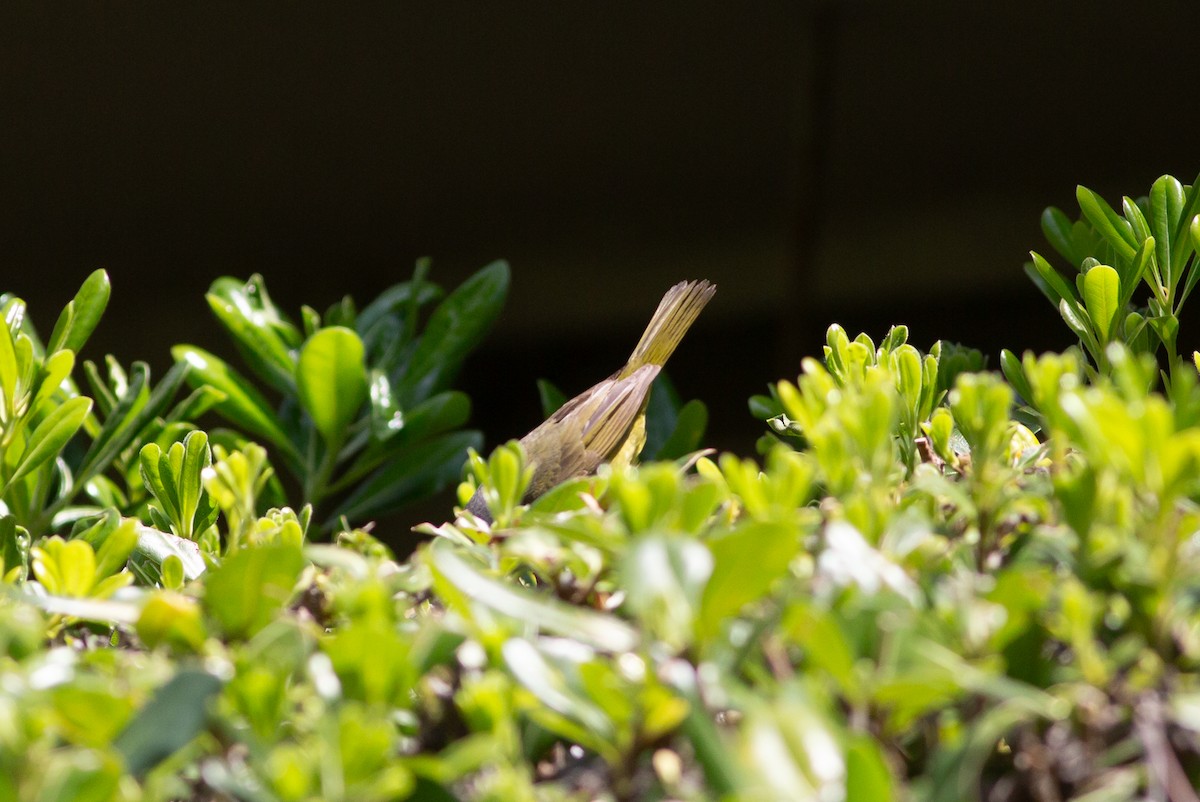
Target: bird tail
{"points": [[674, 316]]}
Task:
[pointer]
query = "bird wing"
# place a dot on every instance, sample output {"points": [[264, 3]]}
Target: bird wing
{"points": [[602, 415]]}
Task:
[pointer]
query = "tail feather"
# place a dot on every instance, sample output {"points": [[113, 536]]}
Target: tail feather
{"points": [[674, 316]]}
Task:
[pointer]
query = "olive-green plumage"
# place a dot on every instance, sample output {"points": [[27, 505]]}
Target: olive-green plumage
{"points": [[607, 423]]}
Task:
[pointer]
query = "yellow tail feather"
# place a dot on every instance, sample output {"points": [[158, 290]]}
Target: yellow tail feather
{"points": [[674, 316]]}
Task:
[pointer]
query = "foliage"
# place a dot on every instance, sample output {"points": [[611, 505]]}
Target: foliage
{"points": [[1152, 241], [367, 421], [908, 595]]}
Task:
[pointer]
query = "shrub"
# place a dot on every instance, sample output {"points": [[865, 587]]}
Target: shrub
{"points": [[934, 582]]}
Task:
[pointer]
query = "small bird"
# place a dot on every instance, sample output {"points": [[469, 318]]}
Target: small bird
{"points": [[607, 423]]}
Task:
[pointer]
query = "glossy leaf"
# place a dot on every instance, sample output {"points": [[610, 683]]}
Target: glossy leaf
{"points": [[455, 328], [51, 435], [332, 380], [242, 404], [413, 472], [1115, 230], [1166, 208], [130, 418], [438, 415], [395, 300], [1101, 295], [260, 345], [81, 315], [1057, 228], [1053, 280]]}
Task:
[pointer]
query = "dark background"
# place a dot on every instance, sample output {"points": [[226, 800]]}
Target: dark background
{"points": [[864, 163]]}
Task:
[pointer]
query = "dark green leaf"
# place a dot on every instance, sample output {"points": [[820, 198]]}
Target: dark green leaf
{"points": [[1057, 228], [690, 425], [243, 405], [455, 328], [169, 721], [257, 341], [551, 397], [391, 300], [442, 413], [415, 471]]}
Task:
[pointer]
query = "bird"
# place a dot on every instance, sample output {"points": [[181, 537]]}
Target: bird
{"points": [[607, 422]]}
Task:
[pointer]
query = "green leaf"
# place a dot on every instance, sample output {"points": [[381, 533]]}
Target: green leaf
{"points": [[246, 591], [80, 316], [332, 380], [1193, 244], [1136, 219], [254, 303], [551, 397], [196, 457], [1053, 280], [387, 419], [176, 714], [746, 564], [113, 553], [54, 371], [130, 419], [664, 578], [1116, 231], [9, 371], [78, 775], [867, 774], [256, 340], [1056, 226], [460, 582], [175, 478], [51, 435], [442, 413], [1131, 276], [14, 550], [690, 425], [1073, 316], [1014, 372], [243, 405], [392, 301], [415, 471], [1101, 295], [455, 328], [1166, 207]]}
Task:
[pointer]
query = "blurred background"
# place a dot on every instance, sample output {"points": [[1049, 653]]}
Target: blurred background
{"points": [[853, 162]]}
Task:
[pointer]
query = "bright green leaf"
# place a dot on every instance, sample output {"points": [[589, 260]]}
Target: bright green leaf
{"points": [[332, 380]]}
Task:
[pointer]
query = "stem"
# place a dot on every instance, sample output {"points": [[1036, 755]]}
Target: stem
{"points": [[316, 483]]}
